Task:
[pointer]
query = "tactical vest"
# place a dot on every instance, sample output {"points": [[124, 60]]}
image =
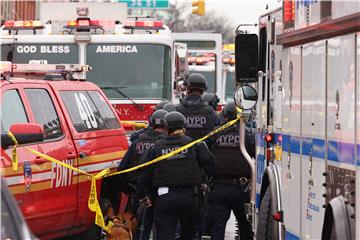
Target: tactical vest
{"points": [[178, 170], [229, 160], [198, 120], [145, 142]]}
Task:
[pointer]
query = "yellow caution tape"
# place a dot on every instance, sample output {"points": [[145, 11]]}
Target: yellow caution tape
{"points": [[94, 205], [15, 160], [51, 159], [137, 125], [158, 159], [93, 202]]}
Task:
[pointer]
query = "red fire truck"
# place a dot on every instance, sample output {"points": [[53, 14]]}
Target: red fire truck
{"points": [[133, 61]]}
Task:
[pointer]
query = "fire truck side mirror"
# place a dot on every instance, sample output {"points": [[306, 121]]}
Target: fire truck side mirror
{"points": [[24, 133], [246, 58], [181, 61], [245, 97]]}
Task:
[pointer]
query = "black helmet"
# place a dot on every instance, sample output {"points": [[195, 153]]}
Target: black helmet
{"points": [[156, 117], [174, 120], [211, 99], [169, 107], [196, 81], [161, 104], [229, 110]]}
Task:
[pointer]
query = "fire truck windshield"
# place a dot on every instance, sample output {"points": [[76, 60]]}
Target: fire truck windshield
{"points": [[141, 71]]}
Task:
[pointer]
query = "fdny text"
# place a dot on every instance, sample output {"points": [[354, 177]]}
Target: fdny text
{"points": [[61, 176]]}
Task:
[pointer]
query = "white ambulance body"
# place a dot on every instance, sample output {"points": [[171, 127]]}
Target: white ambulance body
{"points": [[308, 168]]}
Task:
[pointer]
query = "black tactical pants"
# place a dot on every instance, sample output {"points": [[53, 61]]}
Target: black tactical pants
{"points": [[178, 203], [225, 197], [143, 215]]}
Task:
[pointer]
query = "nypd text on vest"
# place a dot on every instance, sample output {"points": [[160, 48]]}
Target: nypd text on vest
{"points": [[195, 122], [228, 141], [142, 147], [169, 150]]}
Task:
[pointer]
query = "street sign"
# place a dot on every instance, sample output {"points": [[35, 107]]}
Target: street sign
{"points": [[146, 3]]}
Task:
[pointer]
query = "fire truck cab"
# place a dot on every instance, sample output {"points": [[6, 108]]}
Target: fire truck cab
{"points": [[135, 70], [78, 126]]}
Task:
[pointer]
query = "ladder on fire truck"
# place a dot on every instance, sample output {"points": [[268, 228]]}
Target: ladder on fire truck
{"points": [[50, 71]]}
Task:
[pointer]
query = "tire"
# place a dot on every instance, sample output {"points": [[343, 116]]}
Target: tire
{"points": [[265, 224], [95, 232]]}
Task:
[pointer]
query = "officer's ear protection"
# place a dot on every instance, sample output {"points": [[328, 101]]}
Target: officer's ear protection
{"points": [[163, 122], [186, 83]]}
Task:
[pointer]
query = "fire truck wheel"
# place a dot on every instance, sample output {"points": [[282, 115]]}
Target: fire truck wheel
{"points": [[265, 224], [95, 232]]}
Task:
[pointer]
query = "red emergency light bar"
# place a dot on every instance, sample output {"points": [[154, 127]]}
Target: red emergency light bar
{"points": [[289, 10], [201, 60], [21, 25], [144, 24], [228, 60], [82, 23]]}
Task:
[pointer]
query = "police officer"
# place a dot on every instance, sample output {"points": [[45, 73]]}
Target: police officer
{"points": [[211, 99], [133, 157], [169, 107], [175, 181], [200, 117], [136, 134], [231, 181], [161, 105]]}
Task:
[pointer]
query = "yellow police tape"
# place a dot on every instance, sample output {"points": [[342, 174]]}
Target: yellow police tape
{"points": [[15, 160], [137, 125], [158, 159], [93, 202]]}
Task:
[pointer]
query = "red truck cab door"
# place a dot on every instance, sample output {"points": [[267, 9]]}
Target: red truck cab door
{"points": [[99, 138], [51, 211]]}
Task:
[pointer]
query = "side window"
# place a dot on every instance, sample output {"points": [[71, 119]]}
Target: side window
{"points": [[262, 58], [89, 111], [44, 112], [106, 113], [12, 110]]}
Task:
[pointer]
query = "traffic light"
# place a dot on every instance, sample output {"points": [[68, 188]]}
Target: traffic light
{"points": [[199, 7]]}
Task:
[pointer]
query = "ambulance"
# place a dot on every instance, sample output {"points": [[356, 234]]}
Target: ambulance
{"points": [[51, 109], [305, 64]]}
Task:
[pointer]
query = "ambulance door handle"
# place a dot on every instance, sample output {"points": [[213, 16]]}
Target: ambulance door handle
{"points": [[39, 160], [71, 155]]}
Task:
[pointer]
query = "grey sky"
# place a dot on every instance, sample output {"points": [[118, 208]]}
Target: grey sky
{"points": [[239, 11]]}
